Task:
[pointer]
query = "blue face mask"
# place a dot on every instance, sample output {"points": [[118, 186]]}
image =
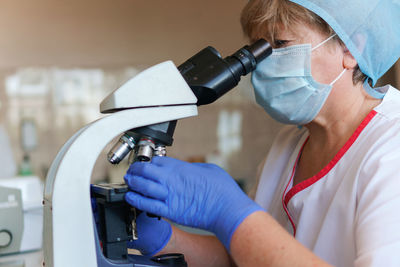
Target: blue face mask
{"points": [[285, 88]]}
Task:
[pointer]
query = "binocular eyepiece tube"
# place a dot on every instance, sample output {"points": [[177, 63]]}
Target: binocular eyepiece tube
{"points": [[210, 76]]}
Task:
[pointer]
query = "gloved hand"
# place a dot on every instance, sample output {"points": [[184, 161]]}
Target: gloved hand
{"points": [[153, 234], [192, 194]]}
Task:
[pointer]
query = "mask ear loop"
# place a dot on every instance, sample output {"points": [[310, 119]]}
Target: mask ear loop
{"points": [[323, 42], [338, 77]]}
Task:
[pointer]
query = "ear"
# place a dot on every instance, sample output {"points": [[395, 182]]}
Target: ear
{"points": [[349, 62]]}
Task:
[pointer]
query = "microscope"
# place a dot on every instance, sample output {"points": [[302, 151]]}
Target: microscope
{"points": [[145, 110]]}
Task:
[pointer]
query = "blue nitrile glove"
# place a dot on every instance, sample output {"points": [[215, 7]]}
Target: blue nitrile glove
{"points": [[153, 235], [193, 194]]}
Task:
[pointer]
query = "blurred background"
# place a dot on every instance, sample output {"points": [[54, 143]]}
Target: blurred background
{"points": [[59, 59]]}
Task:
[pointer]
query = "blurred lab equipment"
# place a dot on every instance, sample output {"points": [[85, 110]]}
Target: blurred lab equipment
{"points": [[21, 212], [21, 220], [9, 167], [25, 167], [146, 110], [28, 143], [28, 135]]}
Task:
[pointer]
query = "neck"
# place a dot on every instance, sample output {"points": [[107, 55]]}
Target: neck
{"points": [[340, 117]]}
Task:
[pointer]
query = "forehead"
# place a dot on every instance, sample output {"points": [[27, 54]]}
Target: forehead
{"points": [[297, 31], [301, 32]]}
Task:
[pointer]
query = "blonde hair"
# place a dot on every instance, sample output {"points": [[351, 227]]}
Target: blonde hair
{"points": [[261, 19]]}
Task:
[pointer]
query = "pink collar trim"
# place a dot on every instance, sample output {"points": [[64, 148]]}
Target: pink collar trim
{"points": [[310, 181]]}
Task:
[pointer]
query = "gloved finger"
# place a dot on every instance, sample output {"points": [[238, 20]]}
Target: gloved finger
{"points": [[166, 161], [171, 162], [207, 165], [149, 205], [146, 170], [147, 187]]}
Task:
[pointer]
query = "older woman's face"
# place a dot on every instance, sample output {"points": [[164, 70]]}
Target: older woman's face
{"points": [[326, 60]]}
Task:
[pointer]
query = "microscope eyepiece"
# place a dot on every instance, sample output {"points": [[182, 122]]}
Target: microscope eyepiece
{"points": [[260, 49], [248, 57], [209, 76]]}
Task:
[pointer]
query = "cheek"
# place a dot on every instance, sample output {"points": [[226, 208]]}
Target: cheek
{"points": [[325, 67]]}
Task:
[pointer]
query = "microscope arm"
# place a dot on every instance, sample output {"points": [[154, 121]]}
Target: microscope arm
{"points": [[69, 235]]}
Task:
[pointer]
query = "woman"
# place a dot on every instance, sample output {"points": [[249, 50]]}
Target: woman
{"points": [[329, 189]]}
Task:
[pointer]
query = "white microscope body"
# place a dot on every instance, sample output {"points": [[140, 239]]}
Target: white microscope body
{"points": [[156, 95]]}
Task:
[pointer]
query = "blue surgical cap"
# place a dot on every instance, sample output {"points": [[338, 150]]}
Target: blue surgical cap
{"points": [[370, 29]]}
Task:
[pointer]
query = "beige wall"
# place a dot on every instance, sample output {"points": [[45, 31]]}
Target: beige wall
{"points": [[114, 32]]}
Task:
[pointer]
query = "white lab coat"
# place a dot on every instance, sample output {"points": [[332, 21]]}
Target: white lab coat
{"points": [[349, 213]]}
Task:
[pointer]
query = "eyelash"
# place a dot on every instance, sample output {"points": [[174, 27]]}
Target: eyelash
{"points": [[280, 43]]}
